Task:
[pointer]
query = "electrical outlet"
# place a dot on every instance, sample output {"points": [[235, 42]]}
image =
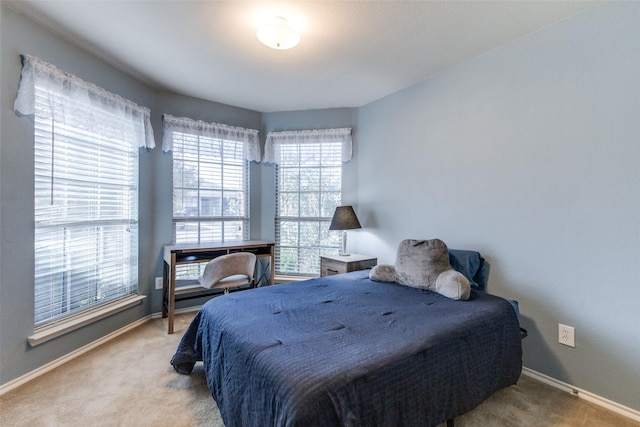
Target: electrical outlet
{"points": [[158, 282], [566, 335]]}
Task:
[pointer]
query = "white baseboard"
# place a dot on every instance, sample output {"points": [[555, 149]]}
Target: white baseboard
{"points": [[11, 385], [584, 394]]}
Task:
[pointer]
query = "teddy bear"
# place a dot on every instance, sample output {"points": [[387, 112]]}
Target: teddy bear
{"points": [[424, 264]]}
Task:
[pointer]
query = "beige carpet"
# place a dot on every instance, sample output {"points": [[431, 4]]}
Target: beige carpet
{"points": [[129, 382]]}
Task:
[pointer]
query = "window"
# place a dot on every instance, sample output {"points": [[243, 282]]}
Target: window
{"points": [[210, 179], [210, 182], [308, 189], [86, 191], [210, 190]]}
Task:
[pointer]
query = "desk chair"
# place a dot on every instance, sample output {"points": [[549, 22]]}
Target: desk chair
{"points": [[224, 272], [229, 271]]}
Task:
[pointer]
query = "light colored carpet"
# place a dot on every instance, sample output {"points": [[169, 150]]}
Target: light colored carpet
{"points": [[129, 382]]}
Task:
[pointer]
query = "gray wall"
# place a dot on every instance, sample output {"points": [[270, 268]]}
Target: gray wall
{"points": [[528, 154]]}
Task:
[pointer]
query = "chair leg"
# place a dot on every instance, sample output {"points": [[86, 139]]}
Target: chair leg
{"points": [[226, 291]]}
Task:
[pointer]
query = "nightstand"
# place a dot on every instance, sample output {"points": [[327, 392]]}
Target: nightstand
{"points": [[337, 264]]}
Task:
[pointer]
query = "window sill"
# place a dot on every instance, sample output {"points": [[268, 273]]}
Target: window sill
{"points": [[50, 332], [286, 279]]}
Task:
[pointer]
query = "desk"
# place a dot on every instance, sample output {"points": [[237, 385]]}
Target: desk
{"points": [[189, 253]]}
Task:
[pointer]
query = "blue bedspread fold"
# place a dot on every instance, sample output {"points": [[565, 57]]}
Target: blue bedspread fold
{"points": [[345, 350]]}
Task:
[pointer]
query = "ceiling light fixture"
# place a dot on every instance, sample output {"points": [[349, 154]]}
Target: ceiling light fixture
{"points": [[278, 34]]}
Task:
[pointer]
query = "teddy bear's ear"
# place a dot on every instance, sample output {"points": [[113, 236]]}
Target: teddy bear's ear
{"points": [[453, 284], [383, 273]]}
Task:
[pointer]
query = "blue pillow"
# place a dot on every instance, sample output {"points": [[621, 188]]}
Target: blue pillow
{"points": [[472, 265], [476, 269]]}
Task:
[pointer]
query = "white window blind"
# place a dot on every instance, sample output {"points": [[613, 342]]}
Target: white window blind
{"points": [[308, 189], [86, 191], [210, 182]]}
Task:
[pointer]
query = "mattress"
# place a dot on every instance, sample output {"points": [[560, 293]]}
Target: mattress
{"points": [[345, 350]]}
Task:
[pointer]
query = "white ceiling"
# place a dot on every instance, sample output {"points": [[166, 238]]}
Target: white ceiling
{"points": [[351, 53]]}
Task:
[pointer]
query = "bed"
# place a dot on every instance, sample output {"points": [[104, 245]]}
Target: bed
{"points": [[346, 350]]}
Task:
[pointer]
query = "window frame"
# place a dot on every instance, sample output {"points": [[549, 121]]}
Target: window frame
{"points": [[75, 280], [199, 219], [306, 254]]}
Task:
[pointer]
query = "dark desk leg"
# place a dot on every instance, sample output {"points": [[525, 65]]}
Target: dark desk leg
{"points": [[272, 252], [450, 423], [172, 291], [165, 291]]}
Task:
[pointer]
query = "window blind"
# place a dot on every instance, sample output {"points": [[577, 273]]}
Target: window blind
{"points": [[86, 209], [85, 190], [210, 184], [308, 189]]}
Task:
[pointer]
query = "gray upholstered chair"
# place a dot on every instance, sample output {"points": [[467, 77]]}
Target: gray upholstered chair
{"points": [[224, 272], [229, 271]]}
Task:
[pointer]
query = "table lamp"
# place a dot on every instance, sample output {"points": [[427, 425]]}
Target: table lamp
{"points": [[344, 218]]}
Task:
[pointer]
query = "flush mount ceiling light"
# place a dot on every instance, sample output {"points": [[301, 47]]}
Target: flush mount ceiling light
{"points": [[278, 34]]}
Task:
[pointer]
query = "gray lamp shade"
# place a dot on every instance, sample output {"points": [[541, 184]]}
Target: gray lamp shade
{"points": [[344, 218]]}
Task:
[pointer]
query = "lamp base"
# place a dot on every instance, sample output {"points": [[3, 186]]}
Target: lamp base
{"points": [[343, 250]]}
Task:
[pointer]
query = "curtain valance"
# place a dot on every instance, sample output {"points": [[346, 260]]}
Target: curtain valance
{"points": [[249, 137], [64, 96], [276, 139]]}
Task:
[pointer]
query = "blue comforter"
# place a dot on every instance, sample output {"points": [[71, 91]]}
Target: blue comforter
{"points": [[345, 350]]}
